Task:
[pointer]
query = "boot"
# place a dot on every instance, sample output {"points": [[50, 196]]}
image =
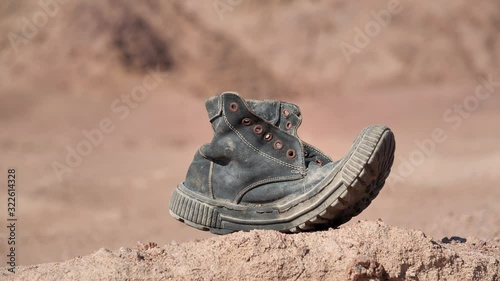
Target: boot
{"points": [[258, 174]]}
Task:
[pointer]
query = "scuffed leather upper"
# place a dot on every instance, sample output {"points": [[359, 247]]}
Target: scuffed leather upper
{"points": [[255, 155]]}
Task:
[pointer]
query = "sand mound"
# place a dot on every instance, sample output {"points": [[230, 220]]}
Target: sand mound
{"points": [[357, 252]]}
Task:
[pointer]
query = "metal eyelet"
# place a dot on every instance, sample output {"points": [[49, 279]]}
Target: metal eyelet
{"points": [[234, 107], [288, 125], [246, 121], [291, 154], [268, 137], [286, 112], [258, 129], [319, 162], [278, 145]]}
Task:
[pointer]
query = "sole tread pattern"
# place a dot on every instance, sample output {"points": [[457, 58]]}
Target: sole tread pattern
{"points": [[186, 209], [361, 185]]}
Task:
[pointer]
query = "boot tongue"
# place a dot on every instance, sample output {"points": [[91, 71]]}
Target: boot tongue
{"points": [[268, 110], [282, 114]]}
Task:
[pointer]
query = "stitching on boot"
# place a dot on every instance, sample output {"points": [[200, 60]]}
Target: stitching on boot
{"points": [[242, 193], [257, 150], [210, 177], [301, 170]]}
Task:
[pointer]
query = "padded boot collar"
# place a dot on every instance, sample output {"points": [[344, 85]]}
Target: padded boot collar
{"points": [[214, 107]]}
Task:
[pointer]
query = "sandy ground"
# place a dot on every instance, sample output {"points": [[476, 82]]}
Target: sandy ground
{"points": [[75, 71], [348, 253]]}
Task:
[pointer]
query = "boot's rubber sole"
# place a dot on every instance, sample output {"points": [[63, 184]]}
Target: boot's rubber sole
{"points": [[351, 186]]}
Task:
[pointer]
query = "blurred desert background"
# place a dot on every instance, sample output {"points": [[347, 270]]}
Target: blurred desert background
{"points": [[430, 71]]}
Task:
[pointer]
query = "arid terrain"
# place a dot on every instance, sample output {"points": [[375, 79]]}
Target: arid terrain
{"points": [[348, 253], [125, 82]]}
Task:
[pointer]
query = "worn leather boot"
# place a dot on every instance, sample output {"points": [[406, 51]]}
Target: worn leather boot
{"points": [[258, 174]]}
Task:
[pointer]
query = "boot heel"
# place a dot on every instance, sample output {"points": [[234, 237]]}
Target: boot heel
{"points": [[193, 212]]}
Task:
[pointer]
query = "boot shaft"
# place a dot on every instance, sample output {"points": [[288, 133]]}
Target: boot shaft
{"points": [[248, 148]]}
